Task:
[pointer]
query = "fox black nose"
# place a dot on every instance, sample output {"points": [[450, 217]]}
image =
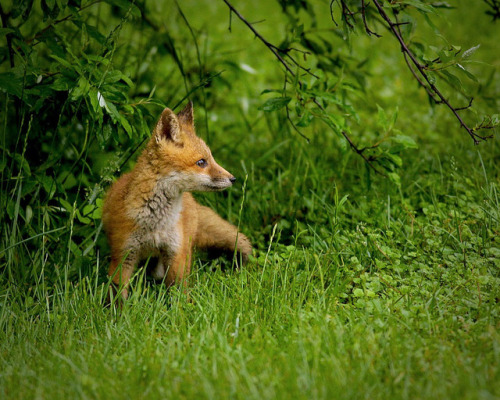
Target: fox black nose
{"points": [[232, 179]]}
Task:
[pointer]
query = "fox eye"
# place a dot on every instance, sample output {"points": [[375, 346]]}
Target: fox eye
{"points": [[201, 163]]}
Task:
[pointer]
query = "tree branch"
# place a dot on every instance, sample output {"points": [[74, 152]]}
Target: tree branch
{"points": [[495, 8], [361, 153], [421, 69], [363, 16], [275, 50], [258, 35]]}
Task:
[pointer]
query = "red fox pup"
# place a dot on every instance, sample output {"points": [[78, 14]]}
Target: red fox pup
{"points": [[149, 212]]}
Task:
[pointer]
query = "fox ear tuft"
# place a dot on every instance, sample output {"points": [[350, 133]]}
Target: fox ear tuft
{"points": [[167, 127], [187, 114]]}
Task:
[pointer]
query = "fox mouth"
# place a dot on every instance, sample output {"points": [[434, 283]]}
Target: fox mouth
{"points": [[217, 185], [216, 188]]}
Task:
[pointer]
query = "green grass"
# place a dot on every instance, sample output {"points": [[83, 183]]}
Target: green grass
{"points": [[384, 294], [358, 288]]}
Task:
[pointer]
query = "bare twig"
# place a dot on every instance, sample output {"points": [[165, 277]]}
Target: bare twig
{"points": [[275, 50], [421, 69], [294, 126], [467, 106], [363, 15], [258, 35], [422, 83], [346, 14], [331, 12], [495, 8], [361, 153]]}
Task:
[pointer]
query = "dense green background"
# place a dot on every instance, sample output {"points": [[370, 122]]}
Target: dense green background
{"points": [[362, 285]]}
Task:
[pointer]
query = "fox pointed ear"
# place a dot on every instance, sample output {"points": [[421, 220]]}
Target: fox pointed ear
{"points": [[187, 114], [167, 127]]}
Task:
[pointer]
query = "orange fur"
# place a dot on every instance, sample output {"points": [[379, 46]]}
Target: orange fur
{"points": [[149, 211]]}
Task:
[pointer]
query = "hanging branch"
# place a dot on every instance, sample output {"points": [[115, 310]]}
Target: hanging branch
{"points": [[276, 51], [360, 152], [363, 16], [429, 86], [495, 8]]}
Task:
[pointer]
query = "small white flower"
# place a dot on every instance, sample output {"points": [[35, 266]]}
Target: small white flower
{"points": [[101, 100]]}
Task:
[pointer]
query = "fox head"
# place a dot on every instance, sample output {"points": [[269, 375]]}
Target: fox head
{"points": [[183, 159]]}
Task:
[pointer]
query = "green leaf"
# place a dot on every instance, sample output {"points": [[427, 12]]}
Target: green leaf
{"points": [[126, 5], [104, 134], [50, 9], [115, 76], [271, 91], [432, 78], [28, 213], [394, 178], [405, 141], [468, 53], [92, 32], [467, 73], [48, 184], [21, 7], [5, 31], [419, 5], [126, 126], [452, 79], [305, 120], [333, 121], [110, 108], [394, 117], [93, 211], [395, 159], [82, 219], [62, 61], [11, 83], [382, 118], [94, 100], [81, 88], [66, 205], [275, 103], [23, 163]]}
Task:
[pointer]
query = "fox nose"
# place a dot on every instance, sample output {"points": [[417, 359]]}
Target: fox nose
{"points": [[232, 179]]}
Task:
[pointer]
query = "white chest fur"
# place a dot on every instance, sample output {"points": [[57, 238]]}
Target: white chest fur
{"points": [[158, 222]]}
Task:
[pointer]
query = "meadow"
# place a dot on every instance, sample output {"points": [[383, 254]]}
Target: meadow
{"points": [[362, 284]]}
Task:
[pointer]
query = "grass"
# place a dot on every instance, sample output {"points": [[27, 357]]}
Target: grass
{"points": [[386, 294], [358, 288]]}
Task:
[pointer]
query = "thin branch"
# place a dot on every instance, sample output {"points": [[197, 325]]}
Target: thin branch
{"points": [[363, 16], [347, 13], [295, 127], [257, 34], [422, 83], [495, 8], [467, 106], [361, 153], [275, 50], [421, 68], [331, 12]]}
